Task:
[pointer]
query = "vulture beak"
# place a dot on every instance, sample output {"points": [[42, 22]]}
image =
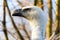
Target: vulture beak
{"points": [[18, 12]]}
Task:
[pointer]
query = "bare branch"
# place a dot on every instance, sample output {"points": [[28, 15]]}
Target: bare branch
{"points": [[4, 21], [26, 32], [19, 34]]}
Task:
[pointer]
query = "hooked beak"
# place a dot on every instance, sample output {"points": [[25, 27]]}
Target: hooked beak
{"points": [[18, 13]]}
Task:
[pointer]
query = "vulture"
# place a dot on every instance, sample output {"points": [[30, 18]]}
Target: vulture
{"points": [[37, 18]]}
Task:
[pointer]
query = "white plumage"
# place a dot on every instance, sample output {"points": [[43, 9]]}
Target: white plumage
{"points": [[37, 19]]}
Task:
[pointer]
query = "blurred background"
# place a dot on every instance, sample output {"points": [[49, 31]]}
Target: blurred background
{"points": [[13, 27]]}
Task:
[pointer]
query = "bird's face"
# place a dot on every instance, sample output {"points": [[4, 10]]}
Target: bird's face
{"points": [[27, 13], [33, 14]]}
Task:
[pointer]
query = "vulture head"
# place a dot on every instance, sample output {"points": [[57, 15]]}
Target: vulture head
{"points": [[31, 13], [37, 17]]}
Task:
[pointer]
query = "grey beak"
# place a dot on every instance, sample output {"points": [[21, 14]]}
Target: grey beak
{"points": [[18, 12]]}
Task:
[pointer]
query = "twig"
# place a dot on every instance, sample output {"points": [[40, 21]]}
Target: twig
{"points": [[4, 21], [11, 34], [26, 31], [20, 3], [19, 34]]}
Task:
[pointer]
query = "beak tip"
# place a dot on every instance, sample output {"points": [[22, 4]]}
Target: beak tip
{"points": [[14, 14]]}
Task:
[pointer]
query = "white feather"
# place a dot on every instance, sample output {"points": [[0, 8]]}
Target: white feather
{"points": [[39, 24]]}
